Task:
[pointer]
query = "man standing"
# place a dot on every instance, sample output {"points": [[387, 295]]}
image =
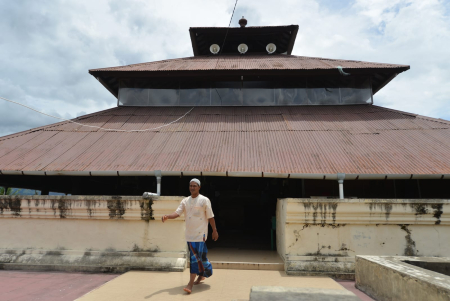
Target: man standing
{"points": [[197, 211]]}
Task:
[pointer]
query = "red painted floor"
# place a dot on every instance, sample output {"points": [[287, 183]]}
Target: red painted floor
{"points": [[350, 285], [48, 286]]}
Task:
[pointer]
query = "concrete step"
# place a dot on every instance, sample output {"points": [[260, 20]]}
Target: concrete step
{"points": [[247, 265], [268, 293]]}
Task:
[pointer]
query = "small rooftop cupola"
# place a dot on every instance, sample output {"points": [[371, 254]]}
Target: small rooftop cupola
{"points": [[250, 40]]}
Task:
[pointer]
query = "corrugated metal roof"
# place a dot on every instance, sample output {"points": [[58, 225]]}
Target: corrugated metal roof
{"points": [[360, 139], [249, 62]]}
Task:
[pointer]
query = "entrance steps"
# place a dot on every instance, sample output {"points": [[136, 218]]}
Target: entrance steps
{"points": [[238, 259]]}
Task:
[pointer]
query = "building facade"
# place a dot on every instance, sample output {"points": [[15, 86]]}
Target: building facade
{"points": [[276, 139]]}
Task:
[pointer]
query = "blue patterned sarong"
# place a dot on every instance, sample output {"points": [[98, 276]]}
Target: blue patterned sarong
{"points": [[200, 264]]}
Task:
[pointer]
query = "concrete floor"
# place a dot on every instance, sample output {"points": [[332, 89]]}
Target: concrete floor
{"points": [[48, 286], [223, 285]]}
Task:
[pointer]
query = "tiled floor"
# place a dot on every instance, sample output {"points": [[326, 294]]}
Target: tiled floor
{"points": [[48, 286]]}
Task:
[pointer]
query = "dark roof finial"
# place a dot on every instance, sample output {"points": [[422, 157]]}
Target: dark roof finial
{"points": [[243, 22]]}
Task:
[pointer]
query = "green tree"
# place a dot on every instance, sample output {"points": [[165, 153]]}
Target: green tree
{"points": [[8, 191]]}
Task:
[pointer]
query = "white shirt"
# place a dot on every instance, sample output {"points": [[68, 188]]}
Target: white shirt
{"points": [[196, 211]]}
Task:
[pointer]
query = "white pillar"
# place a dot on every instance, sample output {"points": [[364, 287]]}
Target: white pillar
{"points": [[341, 177], [158, 181]]}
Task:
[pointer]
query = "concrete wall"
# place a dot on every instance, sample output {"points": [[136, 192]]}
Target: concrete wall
{"points": [[386, 278], [90, 233], [324, 236]]}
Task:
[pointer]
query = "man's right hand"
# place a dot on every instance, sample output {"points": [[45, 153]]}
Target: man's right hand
{"points": [[164, 218]]}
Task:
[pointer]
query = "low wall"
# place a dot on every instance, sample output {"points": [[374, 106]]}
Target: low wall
{"points": [[90, 233], [388, 278], [323, 236]]}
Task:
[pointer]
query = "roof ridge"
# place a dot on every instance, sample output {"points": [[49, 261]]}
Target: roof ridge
{"points": [[51, 125], [112, 110], [344, 60], [243, 57], [144, 63], [396, 111], [440, 120]]}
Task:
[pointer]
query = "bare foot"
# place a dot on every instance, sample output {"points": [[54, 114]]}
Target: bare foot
{"points": [[188, 289], [199, 280]]}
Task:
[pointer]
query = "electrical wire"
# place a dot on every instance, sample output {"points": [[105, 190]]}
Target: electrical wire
{"points": [[229, 24], [223, 44], [93, 126], [128, 131]]}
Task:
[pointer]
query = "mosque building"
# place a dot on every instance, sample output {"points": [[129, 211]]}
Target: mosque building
{"points": [[256, 125]]}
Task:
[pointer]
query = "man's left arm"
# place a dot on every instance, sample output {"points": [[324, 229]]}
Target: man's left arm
{"points": [[215, 235], [210, 216]]}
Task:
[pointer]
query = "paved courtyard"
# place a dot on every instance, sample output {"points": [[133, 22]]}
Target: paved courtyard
{"points": [[138, 285], [223, 285]]}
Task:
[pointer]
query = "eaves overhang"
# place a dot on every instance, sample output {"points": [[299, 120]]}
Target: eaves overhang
{"points": [[110, 78]]}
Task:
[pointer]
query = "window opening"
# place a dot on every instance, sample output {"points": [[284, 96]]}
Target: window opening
{"points": [[347, 90]]}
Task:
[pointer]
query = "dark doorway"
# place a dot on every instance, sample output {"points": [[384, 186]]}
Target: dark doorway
{"points": [[243, 208]]}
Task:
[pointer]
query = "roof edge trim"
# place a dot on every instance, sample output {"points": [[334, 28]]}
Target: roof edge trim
{"points": [[231, 174]]}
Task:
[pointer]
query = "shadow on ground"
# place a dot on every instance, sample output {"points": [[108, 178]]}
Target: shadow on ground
{"points": [[179, 290]]}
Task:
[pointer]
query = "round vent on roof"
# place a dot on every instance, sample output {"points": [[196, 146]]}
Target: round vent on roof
{"points": [[214, 49], [271, 47], [243, 48]]}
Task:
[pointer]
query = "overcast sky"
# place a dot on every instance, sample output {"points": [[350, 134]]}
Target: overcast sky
{"points": [[48, 46]]}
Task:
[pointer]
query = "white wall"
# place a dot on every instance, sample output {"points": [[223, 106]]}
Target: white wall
{"points": [[325, 235], [71, 225]]}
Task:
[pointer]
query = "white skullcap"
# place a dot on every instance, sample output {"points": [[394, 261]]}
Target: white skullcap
{"points": [[196, 181]]}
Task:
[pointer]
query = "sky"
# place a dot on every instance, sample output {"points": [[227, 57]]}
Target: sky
{"points": [[48, 46]]}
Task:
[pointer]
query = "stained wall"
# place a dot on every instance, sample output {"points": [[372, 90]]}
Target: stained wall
{"points": [[325, 235], [91, 230]]}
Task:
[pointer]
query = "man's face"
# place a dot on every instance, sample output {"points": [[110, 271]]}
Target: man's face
{"points": [[194, 188]]}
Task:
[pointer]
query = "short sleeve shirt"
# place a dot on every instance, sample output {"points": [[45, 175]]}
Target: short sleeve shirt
{"points": [[197, 211]]}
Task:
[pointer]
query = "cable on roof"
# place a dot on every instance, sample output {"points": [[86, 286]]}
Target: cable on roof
{"points": [[93, 126], [341, 71]]}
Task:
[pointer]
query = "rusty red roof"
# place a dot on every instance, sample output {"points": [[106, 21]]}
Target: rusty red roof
{"points": [[314, 140], [251, 62], [210, 66]]}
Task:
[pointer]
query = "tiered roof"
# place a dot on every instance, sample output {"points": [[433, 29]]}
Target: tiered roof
{"points": [[363, 141]]}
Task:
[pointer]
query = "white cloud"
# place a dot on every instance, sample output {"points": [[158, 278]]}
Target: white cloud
{"points": [[48, 46]]}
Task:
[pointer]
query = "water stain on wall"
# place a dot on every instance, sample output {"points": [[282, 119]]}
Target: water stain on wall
{"points": [[437, 212], [146, 209], [116, 208], [386, 207], [13, 204], [321, 210], [410, 249]]}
